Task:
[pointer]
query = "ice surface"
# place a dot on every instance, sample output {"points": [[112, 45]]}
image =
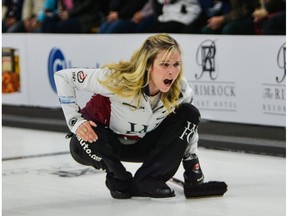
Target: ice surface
{"points": [[35, 186]]}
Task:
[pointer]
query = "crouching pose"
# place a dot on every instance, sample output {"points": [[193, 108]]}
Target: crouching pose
{"points": [[141, 112]]}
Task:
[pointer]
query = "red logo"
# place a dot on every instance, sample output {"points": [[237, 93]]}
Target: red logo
{"points": [[81, 76], [196, 167]]}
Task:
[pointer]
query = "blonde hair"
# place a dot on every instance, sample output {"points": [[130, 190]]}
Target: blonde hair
{"points": [[128, 78]]}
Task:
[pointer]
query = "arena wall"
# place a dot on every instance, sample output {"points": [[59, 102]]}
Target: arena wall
{"points": [[238, 79]]}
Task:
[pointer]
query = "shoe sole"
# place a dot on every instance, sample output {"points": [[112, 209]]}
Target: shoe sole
{"points": [[153, 195], [116, 195]]}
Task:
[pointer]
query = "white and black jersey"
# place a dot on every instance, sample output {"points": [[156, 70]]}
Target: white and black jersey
{"points": [[121, 115]]}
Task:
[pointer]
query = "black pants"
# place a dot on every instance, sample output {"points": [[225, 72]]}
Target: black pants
{"points": [[55, 25], [160, 151]]}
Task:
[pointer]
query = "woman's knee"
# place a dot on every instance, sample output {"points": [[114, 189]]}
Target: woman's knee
{"points": [[76, 151], [190, 112]]}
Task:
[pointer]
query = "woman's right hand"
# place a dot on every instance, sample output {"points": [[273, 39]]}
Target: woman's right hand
{"points": [[86, 132]]}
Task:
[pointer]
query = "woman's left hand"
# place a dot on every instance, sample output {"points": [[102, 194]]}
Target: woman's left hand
{"points": [[86, 132]]}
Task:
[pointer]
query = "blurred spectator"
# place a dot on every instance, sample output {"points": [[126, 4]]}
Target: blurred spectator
{"points": [[176, 15], [209, 8], [236, 20], [4, 9], [246, 25], [13, 14], [49, 9], [270, 18], [118, 11], [30, 11], [138, 22], [77, 16], [142, 20]]}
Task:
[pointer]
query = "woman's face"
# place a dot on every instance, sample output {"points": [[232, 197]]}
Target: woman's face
{"points": [[164, 72]]}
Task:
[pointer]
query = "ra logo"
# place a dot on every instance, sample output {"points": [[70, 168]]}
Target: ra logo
{"points": [[281, 61], [205, 57]]}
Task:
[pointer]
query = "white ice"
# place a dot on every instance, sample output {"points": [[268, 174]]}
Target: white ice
{"points": [[31, 186]]}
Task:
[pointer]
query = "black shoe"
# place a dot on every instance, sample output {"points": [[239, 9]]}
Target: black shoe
{"points": [[119, 188], [193, 173], [120, 195], [161, 192]]}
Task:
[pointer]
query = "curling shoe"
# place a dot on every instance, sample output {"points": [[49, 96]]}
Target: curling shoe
{"points": [[120, 195], [119, 188], [193, 173], [157, 193], [162, 191]]}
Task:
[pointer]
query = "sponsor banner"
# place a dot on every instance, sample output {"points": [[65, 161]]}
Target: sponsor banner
{"points": [[14, 70], [10, 70], [238, 79]]}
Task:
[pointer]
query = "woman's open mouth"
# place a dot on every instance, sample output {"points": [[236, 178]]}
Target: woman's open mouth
{"points": [[168, 82]]}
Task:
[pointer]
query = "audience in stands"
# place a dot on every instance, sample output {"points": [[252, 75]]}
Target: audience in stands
{"points": [[176, 15], [119, 11], [239, 17], [270, 17], [12, 16], [209, 8], [29, 22], [143, 19], [236, 18], [142, 16], [77, 16], [50, 8]]}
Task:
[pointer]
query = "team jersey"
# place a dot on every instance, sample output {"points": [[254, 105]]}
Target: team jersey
{"points": [[121, 115]]}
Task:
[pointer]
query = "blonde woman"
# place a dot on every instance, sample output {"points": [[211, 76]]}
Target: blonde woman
{"points": [[141, 112]]}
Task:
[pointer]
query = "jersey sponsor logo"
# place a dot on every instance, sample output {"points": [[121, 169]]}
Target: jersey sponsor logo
{"points": [[88, 151], [188, 132], [81, 76], [73, 121], [136, 129], [196, 167], [56, 62], [67, 99]]}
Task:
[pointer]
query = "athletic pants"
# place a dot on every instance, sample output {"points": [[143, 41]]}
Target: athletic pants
{"points": [[160, 152]]}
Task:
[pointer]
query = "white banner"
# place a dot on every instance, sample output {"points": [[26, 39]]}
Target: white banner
{"points": [[239, 79]]}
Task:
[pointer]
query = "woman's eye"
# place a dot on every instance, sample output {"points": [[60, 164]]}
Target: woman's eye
{"points": [[165, 64]]}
